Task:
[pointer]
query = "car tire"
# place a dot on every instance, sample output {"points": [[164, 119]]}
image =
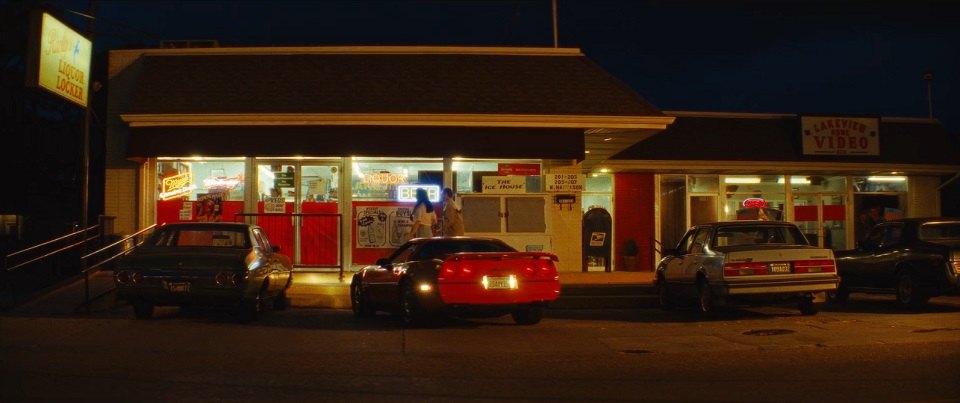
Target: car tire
{"points": [[251, 311], [358, 302], [909, 292], [528, 315], [808, 307], [143, 310], [411, 314], [663, 295], [280, 301], [708, 303], [840, 296]]}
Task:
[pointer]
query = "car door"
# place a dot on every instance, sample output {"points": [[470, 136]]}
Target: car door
{"points": [[871, 265], [382, 280], [695, 255]]}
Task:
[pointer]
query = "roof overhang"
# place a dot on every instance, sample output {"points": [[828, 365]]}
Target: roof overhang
{"points": [[776, 167]]}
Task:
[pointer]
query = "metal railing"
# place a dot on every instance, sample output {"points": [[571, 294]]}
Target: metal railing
{"points": [[44, 255], [125, 245], [313, 231]]}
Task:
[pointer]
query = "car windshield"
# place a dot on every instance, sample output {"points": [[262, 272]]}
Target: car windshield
{"points": [[940, 231], [758, 235], [441, 249], [216, 238]]}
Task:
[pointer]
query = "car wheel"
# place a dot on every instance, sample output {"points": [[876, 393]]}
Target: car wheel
{"points": [[709, 303], [410, 312], [840, 296], [358, 302], [909, 293], [142, 310], [663, 295], [808, 307], [280, 301], [528, 315], [251, 310]]}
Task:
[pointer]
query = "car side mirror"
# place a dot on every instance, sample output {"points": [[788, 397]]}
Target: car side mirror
{"points": [[383, 262]]}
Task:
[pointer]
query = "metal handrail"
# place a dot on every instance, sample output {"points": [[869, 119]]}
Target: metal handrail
{"points": [[44, 256], [86, 271], [339, 216]]}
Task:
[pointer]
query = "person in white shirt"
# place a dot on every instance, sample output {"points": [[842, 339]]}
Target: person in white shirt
{"points": [[424, 217]]}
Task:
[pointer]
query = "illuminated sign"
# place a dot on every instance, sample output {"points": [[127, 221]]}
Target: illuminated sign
{"points": [[384, 178], [408, 193], [63, 63], [840, 135], [222, 182], [754, 202], [518, 169], [177, 186]]}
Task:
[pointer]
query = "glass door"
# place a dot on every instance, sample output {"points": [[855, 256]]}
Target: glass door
{"points": [[299, 210], [822, 218]]}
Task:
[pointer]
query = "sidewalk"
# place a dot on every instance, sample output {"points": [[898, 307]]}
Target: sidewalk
{"points": [[578, 289]]}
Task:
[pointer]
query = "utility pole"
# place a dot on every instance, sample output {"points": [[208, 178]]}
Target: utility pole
{"points": [[85, 178], [928, 76], [556, 42]]}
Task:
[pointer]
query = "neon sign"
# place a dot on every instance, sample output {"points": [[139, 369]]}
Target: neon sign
{"points": [[222, 182], [408, 193], [384, 178], [754, 202], [177, 185]]}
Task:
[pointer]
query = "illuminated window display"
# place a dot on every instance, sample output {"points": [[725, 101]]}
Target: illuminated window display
{"points": [[206, 189]]}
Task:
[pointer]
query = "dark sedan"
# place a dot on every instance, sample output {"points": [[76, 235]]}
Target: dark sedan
{"points": [[213, 264], [915, 258]]}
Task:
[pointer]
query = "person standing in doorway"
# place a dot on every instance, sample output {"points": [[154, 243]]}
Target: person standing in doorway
{"points": [[452, 215], [424, 218]]}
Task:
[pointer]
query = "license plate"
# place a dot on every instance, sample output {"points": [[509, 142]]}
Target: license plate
{"points": [[178, 287], [499, 282], [779, 267]]}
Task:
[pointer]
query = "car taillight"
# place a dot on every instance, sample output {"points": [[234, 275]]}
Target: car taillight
{"points": [[814, 266], [122, 277], [745, 269], [455, 269], [539, 267], [229, 278]]}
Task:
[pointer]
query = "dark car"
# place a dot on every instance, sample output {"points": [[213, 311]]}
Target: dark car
{"points": [[465, 276], [753, 262], [211, 264], [914, 258]]}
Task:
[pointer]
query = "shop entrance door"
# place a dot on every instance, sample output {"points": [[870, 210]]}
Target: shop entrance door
{"points": [[300, 212], [823, 218]]}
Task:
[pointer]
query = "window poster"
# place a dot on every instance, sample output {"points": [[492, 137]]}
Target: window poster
{"points": [[383, 226], [209, 207]]}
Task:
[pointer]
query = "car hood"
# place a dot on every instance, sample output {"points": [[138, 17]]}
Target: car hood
{"points": [[186, 258]]}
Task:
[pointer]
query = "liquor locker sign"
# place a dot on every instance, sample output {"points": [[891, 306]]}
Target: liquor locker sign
{"points": [[840, 135]]}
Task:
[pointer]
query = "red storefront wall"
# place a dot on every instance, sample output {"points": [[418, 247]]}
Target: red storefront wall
{"points": [[634, 201]]}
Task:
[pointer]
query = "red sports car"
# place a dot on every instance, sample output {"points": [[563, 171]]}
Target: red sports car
{"points": [[465, 276]]}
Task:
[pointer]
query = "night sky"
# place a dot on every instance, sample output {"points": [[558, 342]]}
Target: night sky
{"points": [[845, 57]]}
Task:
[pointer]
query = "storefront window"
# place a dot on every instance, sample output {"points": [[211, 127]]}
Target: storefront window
{"points": [[703, 183], [377, 179], [818, 183], [468, 174], [754, 197], [880, 184], [199, 190], [598, 192]]}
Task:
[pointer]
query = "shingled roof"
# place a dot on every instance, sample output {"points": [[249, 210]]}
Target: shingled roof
{"points": [[388, 80]]}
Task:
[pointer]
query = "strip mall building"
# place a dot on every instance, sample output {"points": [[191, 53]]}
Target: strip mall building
{"points": [[323, 146]]}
